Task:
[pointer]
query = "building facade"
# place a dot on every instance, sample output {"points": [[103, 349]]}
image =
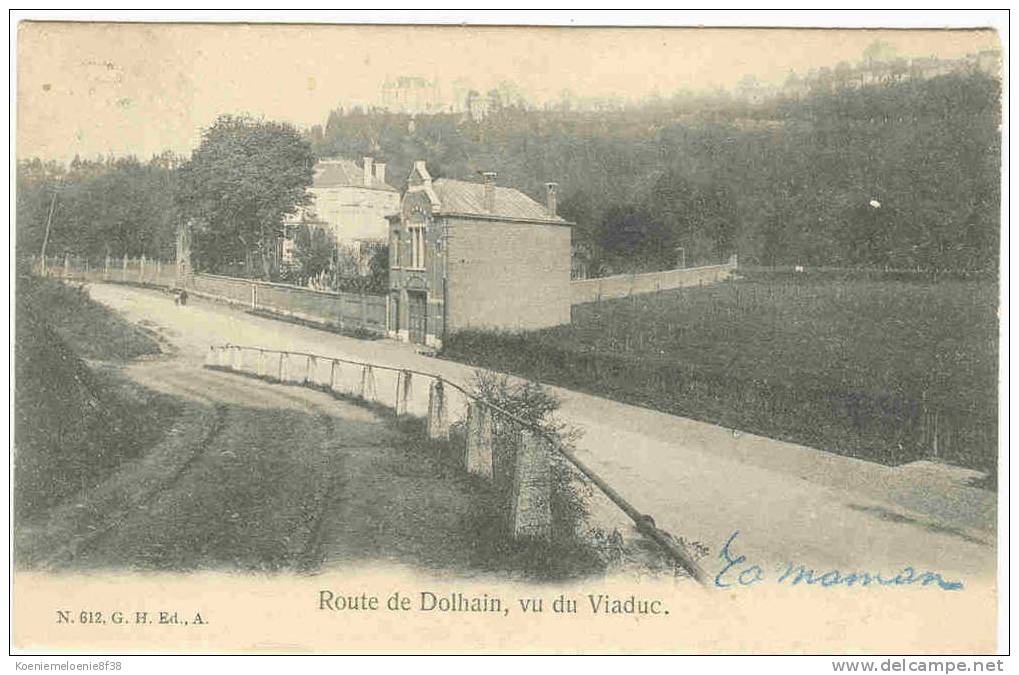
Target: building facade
{"points": [[467, 255], [351, 201]]}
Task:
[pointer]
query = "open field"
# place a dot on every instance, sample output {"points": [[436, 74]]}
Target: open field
{"points": [[890, 368]]}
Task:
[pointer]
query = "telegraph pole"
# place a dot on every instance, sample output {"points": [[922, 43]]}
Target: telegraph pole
{"points": [[49, 220]]}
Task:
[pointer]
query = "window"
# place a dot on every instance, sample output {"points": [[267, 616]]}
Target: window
{"points": [[417, 246]]}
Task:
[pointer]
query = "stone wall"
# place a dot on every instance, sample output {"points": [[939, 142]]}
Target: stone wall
{"points": [[625, 285]]}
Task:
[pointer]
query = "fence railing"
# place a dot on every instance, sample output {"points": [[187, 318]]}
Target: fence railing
{"points": [[142, 270], [523, 468], [343, 311]]}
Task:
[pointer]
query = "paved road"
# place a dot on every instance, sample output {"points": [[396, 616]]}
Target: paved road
{"points": [[699, 481]]}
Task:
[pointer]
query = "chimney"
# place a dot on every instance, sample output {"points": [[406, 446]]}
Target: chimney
{"points": [[421, 169], [488, 180], [367, 171], [551, 190], [380, 172]]}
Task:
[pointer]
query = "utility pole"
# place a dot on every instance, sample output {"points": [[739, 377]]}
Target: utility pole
{"points": [[49, 220]]}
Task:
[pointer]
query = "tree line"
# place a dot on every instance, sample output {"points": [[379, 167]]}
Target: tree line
{"points": [[898, 174], [789, 181]]}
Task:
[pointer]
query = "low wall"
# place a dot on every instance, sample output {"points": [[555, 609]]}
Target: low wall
{"points": [[625, 285], [344, 311]]}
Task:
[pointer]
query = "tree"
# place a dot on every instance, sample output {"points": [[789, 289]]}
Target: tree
{"points": [[238, 185], [633, 234]]}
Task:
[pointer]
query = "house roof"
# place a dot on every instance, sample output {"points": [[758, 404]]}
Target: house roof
{"points": [[345, 173], [462, 197]]}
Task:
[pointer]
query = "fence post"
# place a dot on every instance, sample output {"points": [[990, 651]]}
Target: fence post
{"points": [[307, 369], [531, 508], [159, 271], [367, 383], [332, 376], [123, 275], [403, 379], [437, 426], [478, 457], [282, 358], [260, 367], [254, 296]]}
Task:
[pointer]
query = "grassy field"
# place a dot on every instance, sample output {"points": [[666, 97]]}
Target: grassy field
{"points": [[885, 367]]}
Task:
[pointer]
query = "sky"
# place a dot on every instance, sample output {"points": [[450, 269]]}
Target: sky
{"points": [[96, 89]]}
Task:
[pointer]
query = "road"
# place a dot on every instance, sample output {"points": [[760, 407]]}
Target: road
{"points": [[699, 481], [266, 478]]}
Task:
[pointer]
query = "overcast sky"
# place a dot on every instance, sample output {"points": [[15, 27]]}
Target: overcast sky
{"points": [[140, 89]]}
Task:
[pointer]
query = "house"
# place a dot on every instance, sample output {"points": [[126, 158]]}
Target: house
{"points": [[351, 201], [469, 255], [409, 94]]}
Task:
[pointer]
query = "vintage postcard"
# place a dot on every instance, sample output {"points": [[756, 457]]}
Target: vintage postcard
{"points": [[506, 339]]}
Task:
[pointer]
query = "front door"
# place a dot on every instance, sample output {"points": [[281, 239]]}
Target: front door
{"points": [[417, 306]]}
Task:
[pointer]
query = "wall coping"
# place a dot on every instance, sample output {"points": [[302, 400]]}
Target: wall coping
{"points": [[273, 284], [636, 275]]}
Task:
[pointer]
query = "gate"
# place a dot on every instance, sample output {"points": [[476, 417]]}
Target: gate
{"points": [[417, 306]]}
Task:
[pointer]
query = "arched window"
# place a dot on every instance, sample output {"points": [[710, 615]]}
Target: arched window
{"points": [[417, 229]]}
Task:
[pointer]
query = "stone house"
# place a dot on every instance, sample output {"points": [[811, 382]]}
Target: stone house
{"points": [[469, 255]]}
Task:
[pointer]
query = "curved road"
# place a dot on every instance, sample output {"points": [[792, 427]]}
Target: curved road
{"points": [[262, 477], [699, 481]]}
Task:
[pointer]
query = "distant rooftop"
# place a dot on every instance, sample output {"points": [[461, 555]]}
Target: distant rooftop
{"points": [[339, 172], [457, 196]]}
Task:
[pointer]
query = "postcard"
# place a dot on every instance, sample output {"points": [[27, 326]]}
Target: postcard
{"points": [[457, 339]]}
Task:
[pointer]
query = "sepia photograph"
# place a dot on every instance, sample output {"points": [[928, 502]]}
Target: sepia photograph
{"points": [[380, 338]]}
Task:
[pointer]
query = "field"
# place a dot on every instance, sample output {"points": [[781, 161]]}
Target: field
{"points": [[887, 367]]}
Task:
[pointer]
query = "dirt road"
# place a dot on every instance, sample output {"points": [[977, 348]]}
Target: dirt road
{"points": [[264, 477], [789, 503]]}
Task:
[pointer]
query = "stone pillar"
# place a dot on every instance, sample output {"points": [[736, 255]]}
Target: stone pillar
{"points": [[403, 380], [210, 356], [531, 506], [260, 366], [367, 383], [478, 458], [438, 427], [332, 376], [309, 365]]}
